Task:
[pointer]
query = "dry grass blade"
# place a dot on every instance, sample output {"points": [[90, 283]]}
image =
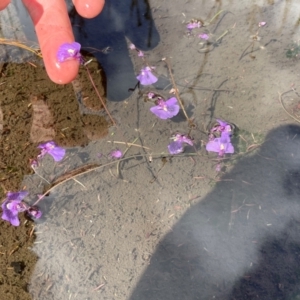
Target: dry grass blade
{"points": [[99, 96], [73, 173], [281, 102], [20, 45], [177, 94], [130, 144], [93, 167]]}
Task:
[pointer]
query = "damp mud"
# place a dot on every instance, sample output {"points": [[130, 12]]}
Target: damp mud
{"points": [[35, 110]]}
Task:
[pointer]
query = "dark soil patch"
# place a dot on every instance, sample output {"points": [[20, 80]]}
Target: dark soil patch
{"points": [[28, 97], [20, 84], [17, 260]]}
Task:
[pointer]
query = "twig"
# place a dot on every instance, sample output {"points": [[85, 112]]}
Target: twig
{"points": [[79, 183], [191, 124], [99, 287], [118, 164], [97, 167], [281, 102], [129, 144], [218, 13], [99, 96], [42, 178], [222, 35]]}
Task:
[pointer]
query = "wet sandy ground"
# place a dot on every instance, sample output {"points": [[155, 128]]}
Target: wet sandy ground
{"points": [[149, 230]]}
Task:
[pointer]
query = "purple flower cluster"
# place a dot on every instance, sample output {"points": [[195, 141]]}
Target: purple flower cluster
{"points": [[194, 24], [220, 139], [14, 204]]}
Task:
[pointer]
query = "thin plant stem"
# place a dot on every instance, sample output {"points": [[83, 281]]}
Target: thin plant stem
{"points": [[129, 144], [42, 178], [128, 147], [177, 95], [222, 35], [94, 168], [99, 96], [154, 156], [218, 13], [281, 102]]}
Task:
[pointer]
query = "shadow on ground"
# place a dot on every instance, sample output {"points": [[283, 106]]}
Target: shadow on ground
{"points": [[243, 240]]}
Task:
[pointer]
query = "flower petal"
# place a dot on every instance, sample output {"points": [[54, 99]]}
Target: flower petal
{"points": [[16, 196], [213, 146], [172, 101], [68, 51], [203, 36], [261, 24], [229, 148], [146, 77], [116, 154], [11, 217], [34, 212], [222, 123], [161, 113], [57, 153], [175, 147], [51, 148]]}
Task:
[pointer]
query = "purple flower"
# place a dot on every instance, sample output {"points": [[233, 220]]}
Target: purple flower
{"points": [[12, 206], [262, 24], [220, 145], [204, 36], [33, 164], [51, 148], [34, 212], [151, 95], [193, 24], [68, 51], [183, 139], [223, 127], [116, 154], [166, 109], [218, 167], [177, 146], [140, 53], [146, 77], [132, 47]]}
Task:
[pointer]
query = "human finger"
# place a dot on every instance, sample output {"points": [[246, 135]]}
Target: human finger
{"points": [[89, 8], [4, 3], [53, 28]]}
